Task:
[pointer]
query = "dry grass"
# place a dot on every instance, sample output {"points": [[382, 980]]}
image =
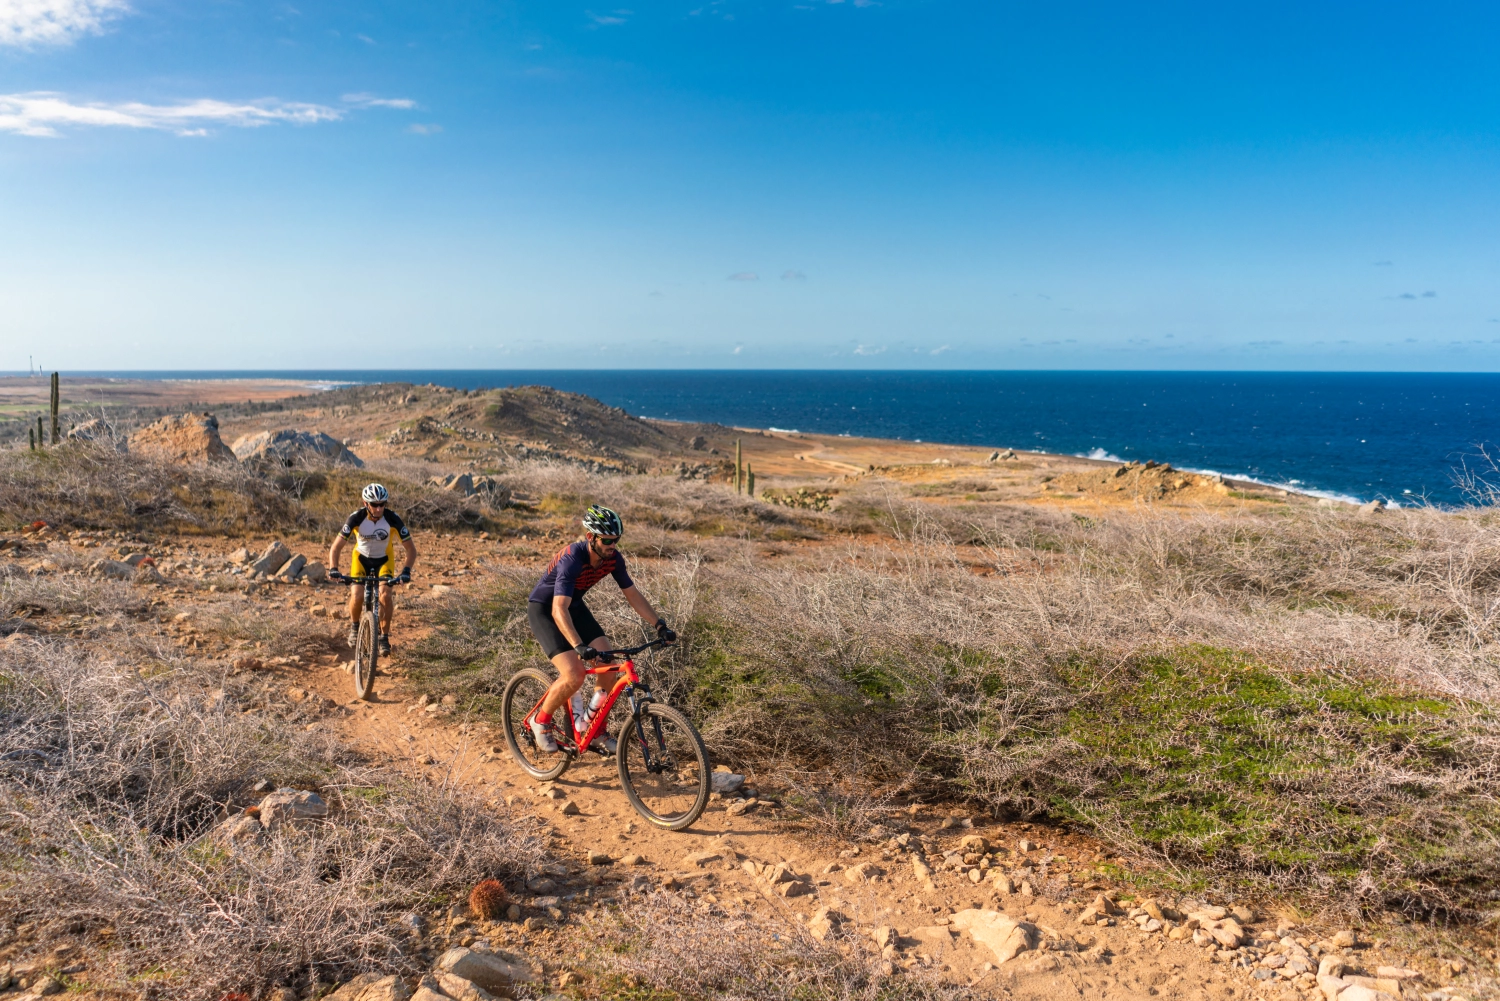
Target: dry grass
{"points": [[1297, 700], [688, 949], [112, 783]]}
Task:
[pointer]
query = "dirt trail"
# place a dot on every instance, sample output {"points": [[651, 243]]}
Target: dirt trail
{"points": [[439, 744]]}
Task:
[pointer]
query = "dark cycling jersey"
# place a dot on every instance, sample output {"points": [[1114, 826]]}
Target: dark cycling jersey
{"points": [[570, 573]]}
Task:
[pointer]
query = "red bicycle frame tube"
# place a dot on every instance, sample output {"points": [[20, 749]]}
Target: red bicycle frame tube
{"points": [[627, 677]]}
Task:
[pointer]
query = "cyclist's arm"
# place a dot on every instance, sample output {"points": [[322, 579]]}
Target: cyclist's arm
{"points": [[337, 549], [641, 605], [404, 534], [564, 619]]}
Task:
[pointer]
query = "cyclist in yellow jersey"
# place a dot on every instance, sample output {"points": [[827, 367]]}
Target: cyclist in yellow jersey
{"points": [[374, 531]]}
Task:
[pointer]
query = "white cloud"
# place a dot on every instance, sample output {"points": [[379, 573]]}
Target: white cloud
{"points": [[608, 18], [54, 22], [938, 351], [41, 114], [866, 349], [371, 101], [424, 129]]}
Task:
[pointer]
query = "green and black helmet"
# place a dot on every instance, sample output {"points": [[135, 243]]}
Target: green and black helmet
{"points": [[599, 520]]}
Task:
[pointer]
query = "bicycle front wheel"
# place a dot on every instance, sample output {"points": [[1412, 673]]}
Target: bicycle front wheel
{"points": [[366, 654], [523, 695], [664, 767]]}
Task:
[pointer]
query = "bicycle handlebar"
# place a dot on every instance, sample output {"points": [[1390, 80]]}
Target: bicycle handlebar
{"points": [[609, 655], [343, 578]]}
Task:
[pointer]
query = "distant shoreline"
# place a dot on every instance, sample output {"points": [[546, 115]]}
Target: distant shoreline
{"points": [[1399, 437]]}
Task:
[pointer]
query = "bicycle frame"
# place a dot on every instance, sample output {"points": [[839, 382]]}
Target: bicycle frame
{"points": [[629, 683]]}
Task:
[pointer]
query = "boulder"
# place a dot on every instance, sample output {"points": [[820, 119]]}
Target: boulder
{"points": [[371, 987], [459, 483], [315, 572], [292, 569], [290, 447], [112, 568], [863, 872], [97, 431], [725, 783], [1005, 936], [459, 989], [1359, 992], [285, 805], [934, 939], [824, 922], [190, 438], [240, 827], [272, 560], [1372, 507], [488, 970]]}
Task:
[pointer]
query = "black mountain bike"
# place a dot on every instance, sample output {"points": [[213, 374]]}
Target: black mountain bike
{"points": [[367, 645], [664, 767]]}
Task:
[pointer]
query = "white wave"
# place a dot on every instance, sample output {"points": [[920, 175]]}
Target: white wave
{"points": [[784, 430], [1099, 453], [1290, 486]]}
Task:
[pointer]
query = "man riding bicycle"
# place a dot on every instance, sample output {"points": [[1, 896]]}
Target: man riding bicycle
{"points": [[375, 531], [568, 632]]}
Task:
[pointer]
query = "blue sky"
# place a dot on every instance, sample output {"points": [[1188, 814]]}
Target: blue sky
{"points": [[746, 183]]}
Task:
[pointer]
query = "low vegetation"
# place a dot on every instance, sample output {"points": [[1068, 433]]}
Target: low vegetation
{"points": [[116, 775], [1296, 701], [1271, 699]]}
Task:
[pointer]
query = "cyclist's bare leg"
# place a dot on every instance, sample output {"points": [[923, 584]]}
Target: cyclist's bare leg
{"points": [[387, 609], [570, 675], [604, 682], [356, 603]]}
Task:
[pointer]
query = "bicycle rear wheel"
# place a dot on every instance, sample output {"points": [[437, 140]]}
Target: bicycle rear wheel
{"points": [[664, 767], [366, 655], [523, 694]]}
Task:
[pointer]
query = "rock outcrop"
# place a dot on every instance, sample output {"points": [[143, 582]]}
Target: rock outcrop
{"points": [[290, 447], [190, 438]]}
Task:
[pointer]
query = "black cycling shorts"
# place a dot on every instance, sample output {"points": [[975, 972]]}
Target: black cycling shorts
{"points": [[553, 642]]}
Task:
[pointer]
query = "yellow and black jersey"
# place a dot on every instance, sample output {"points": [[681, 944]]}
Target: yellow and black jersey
{"points": [[375, 538]]}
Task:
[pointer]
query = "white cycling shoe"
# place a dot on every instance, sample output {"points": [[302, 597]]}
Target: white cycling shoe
{"points": [[545, 742], [601, 745]]}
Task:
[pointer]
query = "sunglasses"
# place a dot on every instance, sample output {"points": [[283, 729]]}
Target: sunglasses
{"points": [[380, 505], [607, 542]]}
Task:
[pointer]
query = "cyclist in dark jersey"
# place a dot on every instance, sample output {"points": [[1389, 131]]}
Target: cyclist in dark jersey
{"points": [[567, 630]]}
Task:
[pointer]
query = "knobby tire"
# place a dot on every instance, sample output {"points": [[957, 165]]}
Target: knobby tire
{"points": [[672, 799], [366, 656], [522, 693]]}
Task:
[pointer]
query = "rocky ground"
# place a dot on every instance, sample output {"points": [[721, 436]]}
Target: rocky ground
{"points": [[1006, 909]]}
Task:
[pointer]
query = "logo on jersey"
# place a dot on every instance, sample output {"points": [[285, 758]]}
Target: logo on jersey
{"points": [[382, 534]]}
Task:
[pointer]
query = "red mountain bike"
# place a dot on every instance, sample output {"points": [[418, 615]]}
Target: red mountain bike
{"points": [[663, 764]]}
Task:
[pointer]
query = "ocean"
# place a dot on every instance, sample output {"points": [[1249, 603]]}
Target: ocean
{"points": [[1358, 436]]}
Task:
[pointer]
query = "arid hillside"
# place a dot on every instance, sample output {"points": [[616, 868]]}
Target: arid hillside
{"points": [[1178, 737]]}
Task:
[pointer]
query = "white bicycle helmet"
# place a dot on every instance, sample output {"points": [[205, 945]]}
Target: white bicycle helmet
{"points": [[374, 494]]}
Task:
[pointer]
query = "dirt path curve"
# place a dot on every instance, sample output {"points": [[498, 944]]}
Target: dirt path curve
{"points": [[1093, 962]]}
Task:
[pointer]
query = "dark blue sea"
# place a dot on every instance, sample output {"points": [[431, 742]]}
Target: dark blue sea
{"points": [[1400, 437]]}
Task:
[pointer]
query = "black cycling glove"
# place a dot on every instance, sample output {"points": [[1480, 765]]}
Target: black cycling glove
{"points": [[405, 576], [664, 631], [585, 651]]}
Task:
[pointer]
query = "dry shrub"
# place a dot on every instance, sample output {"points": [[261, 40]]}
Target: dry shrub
{"points": [[1295, 699], [835, 805], [693, 950], [82, 485], [112, 784]]}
